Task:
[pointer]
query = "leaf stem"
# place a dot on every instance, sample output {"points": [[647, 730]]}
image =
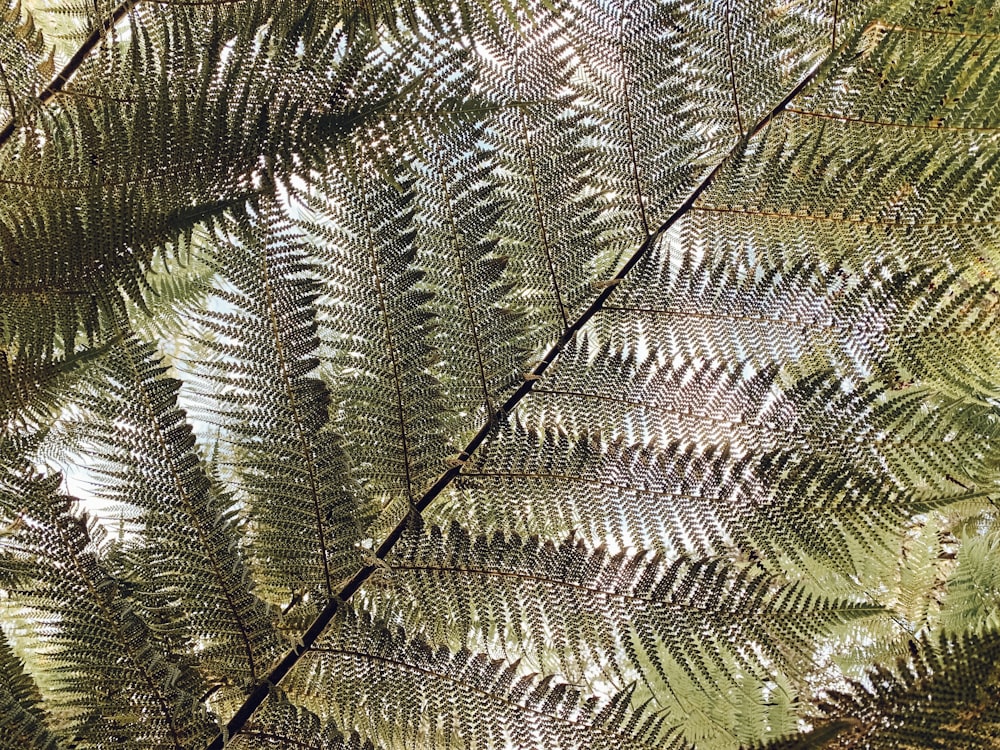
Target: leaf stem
{"points": [[71, 67]]}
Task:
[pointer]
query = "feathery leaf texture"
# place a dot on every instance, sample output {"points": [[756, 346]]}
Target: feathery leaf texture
{"points": [[526, 374], [706, 612], [23, 721], [261, 390], [191, 553], [417, 684], [943, 694], [120, 685], [281, 723]]}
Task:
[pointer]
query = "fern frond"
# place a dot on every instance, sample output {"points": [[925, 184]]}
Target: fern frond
{"points": [[543, 141], [280, 723], [22, 59], [836, 336], [116, 171], [822, 736], [23, 719], [65, 25], [481, 319], [681, 463], [412, 688], [659, 135], [485, 580], [191, 552], [261, 389], [115, 680], [391, 408], [721, 629], [31, 388], [972, 598], [944, 694], [742, 254]]}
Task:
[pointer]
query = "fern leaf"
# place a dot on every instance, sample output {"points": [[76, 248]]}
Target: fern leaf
{"points": [[23, 720], [944, 694], [22, 58], [274, 411], [281, 723], [115, 682], [118, 171], [715, 626], [481, 319], [191, 552], [713, 284], [391, 405], [411, 687]]}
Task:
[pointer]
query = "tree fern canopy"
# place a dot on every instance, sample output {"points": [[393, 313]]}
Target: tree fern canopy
{"points": [[499, 375]]}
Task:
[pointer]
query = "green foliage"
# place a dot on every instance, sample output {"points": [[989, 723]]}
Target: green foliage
{"points": [[944, 694], [261, 334], [121, 683], [22, 716], [521, 374]]}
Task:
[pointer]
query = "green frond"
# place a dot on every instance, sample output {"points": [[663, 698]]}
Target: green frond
{"points": [[539, 373], [823, 735], [23, 56], [416, 685], [280, 724], [30, 389], [190, 553], [716, 627], [484, 579], [116, 171], [64, 26], [685, 454], [543, 144], [972, 595], [944, 694], [115, 681], [482, 324], [23, 720], [381, 326], [260, 388], [658, 134]]}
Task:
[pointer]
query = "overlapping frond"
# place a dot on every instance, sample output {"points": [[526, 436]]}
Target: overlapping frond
{"points": [[713, 286], [694, 456], [390, 407], [483, 323], [658, 134], [943, 695], [281, 723], [116, 681], [692, 630], [449, 585], [65, 26], [410, 690], [304, 518], [174, 117], [190, 555], [973, 589], [29, 388], [787, 344], [22, 60]]}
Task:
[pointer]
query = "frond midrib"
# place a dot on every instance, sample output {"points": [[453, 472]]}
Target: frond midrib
{"points": [[319, 625]]}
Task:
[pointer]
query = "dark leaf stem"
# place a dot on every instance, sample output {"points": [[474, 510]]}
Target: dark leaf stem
{"points": [[71, 67]]}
